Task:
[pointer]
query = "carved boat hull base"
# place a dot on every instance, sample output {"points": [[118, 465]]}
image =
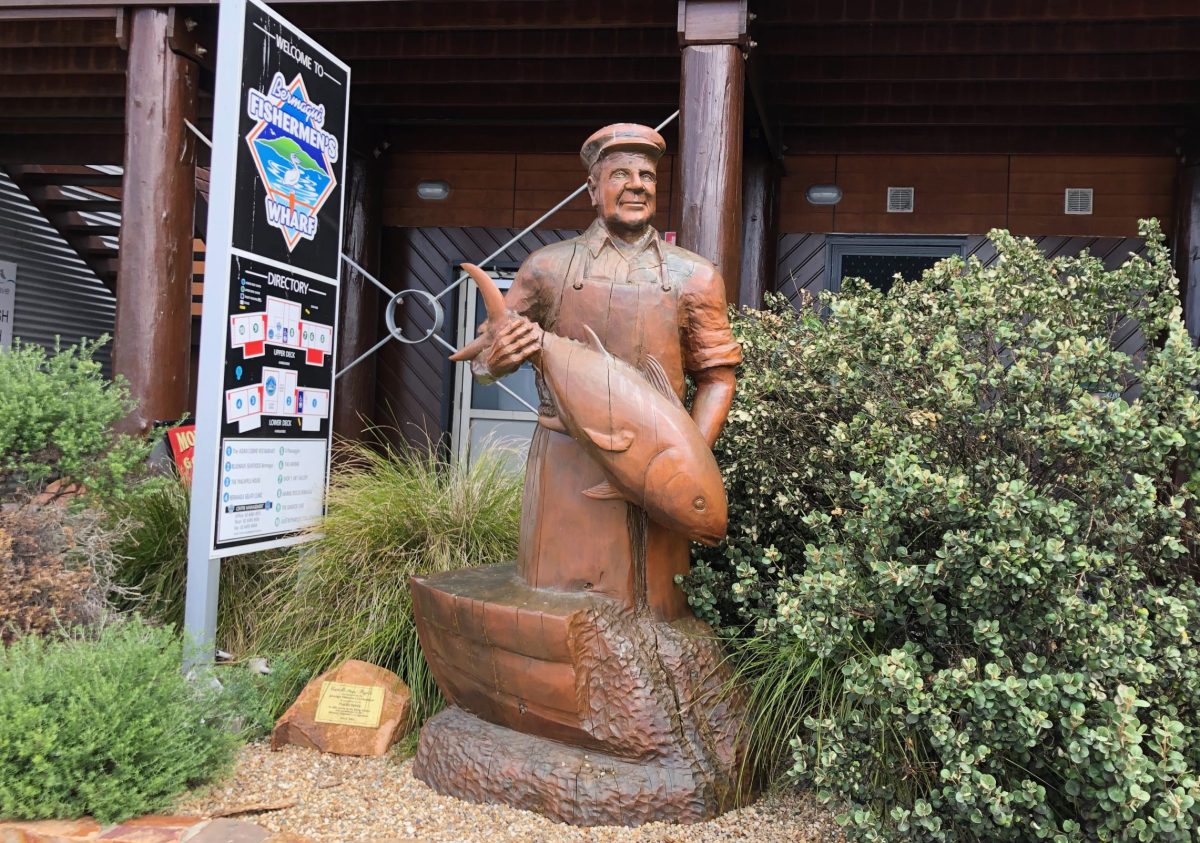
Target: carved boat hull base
{"points": [[463, 756], [575, 706]]}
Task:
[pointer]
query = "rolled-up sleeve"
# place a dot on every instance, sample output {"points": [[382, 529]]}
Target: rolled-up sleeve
{"points": [[707, 338]]}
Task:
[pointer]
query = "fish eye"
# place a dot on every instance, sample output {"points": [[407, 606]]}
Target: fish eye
{"points": [[699, 504]]}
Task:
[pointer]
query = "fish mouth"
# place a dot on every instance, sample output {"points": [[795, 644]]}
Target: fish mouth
{"points": [[710, 539]]}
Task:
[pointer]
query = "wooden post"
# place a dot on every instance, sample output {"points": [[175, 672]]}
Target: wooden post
{"points": [[1186, 242], [153, 334], [760, 226], [712, 97], [358, 320]]}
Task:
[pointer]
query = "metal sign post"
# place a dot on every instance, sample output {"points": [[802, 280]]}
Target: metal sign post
{"points": [[271, 282]]}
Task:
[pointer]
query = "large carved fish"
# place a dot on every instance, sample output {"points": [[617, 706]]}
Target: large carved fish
{"points": [[630, 422]]}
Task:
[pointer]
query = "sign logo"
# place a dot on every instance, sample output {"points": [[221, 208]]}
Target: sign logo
{"points": [[294, 156]]}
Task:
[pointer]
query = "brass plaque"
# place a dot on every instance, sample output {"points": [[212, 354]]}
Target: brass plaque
{"points": [[350, 705]]}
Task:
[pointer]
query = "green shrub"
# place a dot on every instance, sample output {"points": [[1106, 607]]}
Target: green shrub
{"points": [[56, 417], [104, 725], [389, 516], [255, 700], [971, 559]]}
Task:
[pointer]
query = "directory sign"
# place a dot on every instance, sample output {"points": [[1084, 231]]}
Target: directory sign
{"points": [[264, 406]]}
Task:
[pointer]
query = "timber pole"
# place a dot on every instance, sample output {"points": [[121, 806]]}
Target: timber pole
{"points": [[760, 225], [358, 317], [712, 34], [152, 343], [1186, 241]]}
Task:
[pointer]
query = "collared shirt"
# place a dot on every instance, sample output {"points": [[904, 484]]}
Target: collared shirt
{"points": [[624, 263], [706, 340]]}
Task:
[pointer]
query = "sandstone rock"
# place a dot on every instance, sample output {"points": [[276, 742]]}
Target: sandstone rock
{"points": [[299, 724], [49, 831]]}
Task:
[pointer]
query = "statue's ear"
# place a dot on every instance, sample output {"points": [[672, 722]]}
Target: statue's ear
{"points": [[591, 189]]}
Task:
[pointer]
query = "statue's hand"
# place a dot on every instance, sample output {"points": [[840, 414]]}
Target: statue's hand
{"points": [[516, 341]]}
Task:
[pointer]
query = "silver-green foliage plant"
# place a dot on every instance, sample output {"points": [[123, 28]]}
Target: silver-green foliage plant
{"points": [[56, 420], [104, 723], [977, 516]]}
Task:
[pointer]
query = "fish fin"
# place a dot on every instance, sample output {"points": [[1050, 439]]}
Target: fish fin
{"points": [[657, 376], [493, 299], [594, 343], [617, 440], [603, 492]]}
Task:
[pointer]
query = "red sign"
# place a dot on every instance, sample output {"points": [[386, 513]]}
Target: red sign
{"points": [[183, 443]]}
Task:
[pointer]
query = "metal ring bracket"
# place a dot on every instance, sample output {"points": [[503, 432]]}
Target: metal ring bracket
{"points": [[389, 315]]}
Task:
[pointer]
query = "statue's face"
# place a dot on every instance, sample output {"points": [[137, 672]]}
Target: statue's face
{"points": [[622, 187]]}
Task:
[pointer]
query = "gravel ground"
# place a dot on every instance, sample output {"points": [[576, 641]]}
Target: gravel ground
{"points": [[341, 799]]}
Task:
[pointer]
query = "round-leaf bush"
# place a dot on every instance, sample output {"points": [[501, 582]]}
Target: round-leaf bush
{"points": [[57, 413], [970, 515], [105, 724]]}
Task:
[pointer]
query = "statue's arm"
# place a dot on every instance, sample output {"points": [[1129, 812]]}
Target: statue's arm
{"points": [[714, 396], [710, 352]]}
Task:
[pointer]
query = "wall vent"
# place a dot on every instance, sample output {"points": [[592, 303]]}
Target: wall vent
{"points": [[1078, 200], [900, 200]]}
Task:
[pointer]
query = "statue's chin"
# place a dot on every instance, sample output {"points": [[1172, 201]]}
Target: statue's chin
{"points": [[627, 228]]}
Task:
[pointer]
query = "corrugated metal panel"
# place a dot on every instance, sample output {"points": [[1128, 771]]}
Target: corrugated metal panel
{"points": [[57, 294]]}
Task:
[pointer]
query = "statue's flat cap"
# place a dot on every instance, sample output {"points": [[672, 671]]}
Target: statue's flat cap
{"points": [[625, 137]]}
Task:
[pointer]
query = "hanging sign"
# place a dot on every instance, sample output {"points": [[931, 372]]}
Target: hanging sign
{"points": [[8, 303], [264, 420]]}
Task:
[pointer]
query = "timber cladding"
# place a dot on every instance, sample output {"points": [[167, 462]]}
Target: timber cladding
{"points": [[954, 194], [970, 194], [497, 190]]}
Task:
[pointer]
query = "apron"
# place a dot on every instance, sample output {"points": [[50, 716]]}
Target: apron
{"points": [[568, 541]]}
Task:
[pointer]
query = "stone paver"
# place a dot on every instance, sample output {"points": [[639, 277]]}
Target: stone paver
{"points": [[230, 831], [151, 829]]}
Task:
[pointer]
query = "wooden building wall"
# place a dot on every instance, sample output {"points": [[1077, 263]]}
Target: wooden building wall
{"points": [[498, 189], [971, 194]]}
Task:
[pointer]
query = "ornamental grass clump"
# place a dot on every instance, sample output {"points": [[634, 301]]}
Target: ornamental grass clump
{"points": [[963, 531], [104, 723], [149, 555], [389, 516]]}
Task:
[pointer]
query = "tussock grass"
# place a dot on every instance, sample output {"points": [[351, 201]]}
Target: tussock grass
{"points": [[788, 689], [391, 514], [149, 563]]}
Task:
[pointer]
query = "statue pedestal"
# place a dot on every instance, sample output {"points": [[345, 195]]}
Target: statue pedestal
{"points": [[574, 706]]}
